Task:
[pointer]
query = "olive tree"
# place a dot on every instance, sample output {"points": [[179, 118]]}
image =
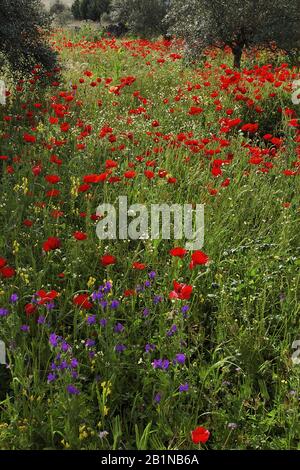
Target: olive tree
{"points": [[238, 24], [90, 9]]}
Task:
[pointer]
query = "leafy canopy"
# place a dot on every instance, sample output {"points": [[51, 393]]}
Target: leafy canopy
{"points": [[238, 24]]}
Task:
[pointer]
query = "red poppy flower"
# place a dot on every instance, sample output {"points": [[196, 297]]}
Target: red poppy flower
{"points": [[95, 178], [80, 235], [139, 266], [198, 258], [111, 164], [56, 214], [95, 217], [36, 170], [216, 171], [250, 128], [162, 173], [114, 179], [30, 309], [194, 110], [130, 174], [53, 120], [172, 180], [149, 174], [83, 188], [82, 301], [225, 183], [181, 291], [56, 160], [46, 297], [27, 223], [200, 435], [7, 272], [52, 179], [129, 293], [289, 173], [53, 193], [2, 262], [178, 252], [106, 260], [64, 127], [29, 138], [52, 243]]}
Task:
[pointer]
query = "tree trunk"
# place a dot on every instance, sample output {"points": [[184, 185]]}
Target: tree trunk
{"points": [[237, 52]]}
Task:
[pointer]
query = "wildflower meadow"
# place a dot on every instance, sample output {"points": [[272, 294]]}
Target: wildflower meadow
{"points": [[140, 343]]}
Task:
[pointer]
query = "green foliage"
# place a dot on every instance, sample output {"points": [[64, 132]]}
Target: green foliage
{"points": [[237, 24], [90, 9], [57, 8], [142, 17], [23, 30], [76, 10]]}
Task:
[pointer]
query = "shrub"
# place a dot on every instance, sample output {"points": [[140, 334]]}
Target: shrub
{"points": [[239, 25], [142, 17], [23, 28], [90, 9], [57, 8]]}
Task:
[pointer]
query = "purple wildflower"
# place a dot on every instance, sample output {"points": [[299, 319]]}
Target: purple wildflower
{"points": [[180, 358], [161, 364], [51, 377], [53, 340], [149, 348], [157, 299], [14, 298], [63, 365], [24, 328], [120, 348], [74, 363], [107, 287], [157, 398], [97, 296], [65, 346], [91, 320], [172, 330], [184, 388], [50, 305], [115, 304], [119, 328]]}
